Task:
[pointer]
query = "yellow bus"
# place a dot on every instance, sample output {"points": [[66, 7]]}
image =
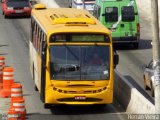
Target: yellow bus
{"points": [[71, 57]]}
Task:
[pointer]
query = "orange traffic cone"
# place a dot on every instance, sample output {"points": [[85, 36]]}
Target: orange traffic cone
{"points": [[2, 64], [13, 115], [7, 81], [19, 106], [16, 91]]}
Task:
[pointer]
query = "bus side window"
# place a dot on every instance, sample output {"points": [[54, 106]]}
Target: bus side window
{"points": [[34, 35], [37, 33], [32, 29], [39, 40]]}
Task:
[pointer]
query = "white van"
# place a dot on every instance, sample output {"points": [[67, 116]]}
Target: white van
{"points": [[82, 4]]}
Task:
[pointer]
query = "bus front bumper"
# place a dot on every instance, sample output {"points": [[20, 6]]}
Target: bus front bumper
{"points": [[55, 97]]}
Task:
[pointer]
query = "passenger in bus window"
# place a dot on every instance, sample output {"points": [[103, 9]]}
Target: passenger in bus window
{"points": [[95, 60]]}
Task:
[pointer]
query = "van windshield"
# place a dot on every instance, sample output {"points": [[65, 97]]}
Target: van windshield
{"points": [[111, 14]]}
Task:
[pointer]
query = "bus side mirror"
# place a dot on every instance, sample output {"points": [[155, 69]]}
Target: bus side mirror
{"points": [[116, 60]]}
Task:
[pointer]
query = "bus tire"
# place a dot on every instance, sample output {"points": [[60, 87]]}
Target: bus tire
{"points": [[100, 106], [136, 45], [47, 105]]}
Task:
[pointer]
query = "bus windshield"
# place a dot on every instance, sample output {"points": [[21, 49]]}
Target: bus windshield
{"points": [[79, 62]]}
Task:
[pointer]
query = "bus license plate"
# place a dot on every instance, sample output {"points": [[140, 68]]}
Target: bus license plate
{"points": [[18, 11], [80, 97]]}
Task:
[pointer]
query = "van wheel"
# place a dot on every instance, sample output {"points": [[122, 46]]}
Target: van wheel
{"points": [[136, 45]]}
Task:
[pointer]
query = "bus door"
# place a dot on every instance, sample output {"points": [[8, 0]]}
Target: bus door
{"points": [[128, 23], [112, 18]]}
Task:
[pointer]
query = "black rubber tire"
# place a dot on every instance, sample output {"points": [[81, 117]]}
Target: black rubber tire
{"points": [[136, 45], [47, 106]]}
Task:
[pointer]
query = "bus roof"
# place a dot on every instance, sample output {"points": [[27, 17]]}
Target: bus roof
{"points": [[54, 20]]}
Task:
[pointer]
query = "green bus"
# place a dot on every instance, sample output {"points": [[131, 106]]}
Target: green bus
{"points": [[121, 17]]}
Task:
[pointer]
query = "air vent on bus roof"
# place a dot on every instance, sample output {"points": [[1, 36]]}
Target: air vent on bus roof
{"points": [[77, 19], [39, 6]]}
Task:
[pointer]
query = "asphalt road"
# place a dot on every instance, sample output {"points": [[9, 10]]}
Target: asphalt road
{"points": [[14, 36]]}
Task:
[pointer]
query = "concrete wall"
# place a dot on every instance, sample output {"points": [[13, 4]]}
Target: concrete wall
{"points": [[130, 98]]}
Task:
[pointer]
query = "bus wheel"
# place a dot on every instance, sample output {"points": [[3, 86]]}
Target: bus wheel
{"points": [[47, 106], [136, 45]]}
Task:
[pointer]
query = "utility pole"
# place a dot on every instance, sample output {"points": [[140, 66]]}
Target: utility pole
{"points": [[156, 53]]}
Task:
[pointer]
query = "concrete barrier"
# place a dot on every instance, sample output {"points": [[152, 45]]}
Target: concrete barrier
{"points": [[130, 98]]}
